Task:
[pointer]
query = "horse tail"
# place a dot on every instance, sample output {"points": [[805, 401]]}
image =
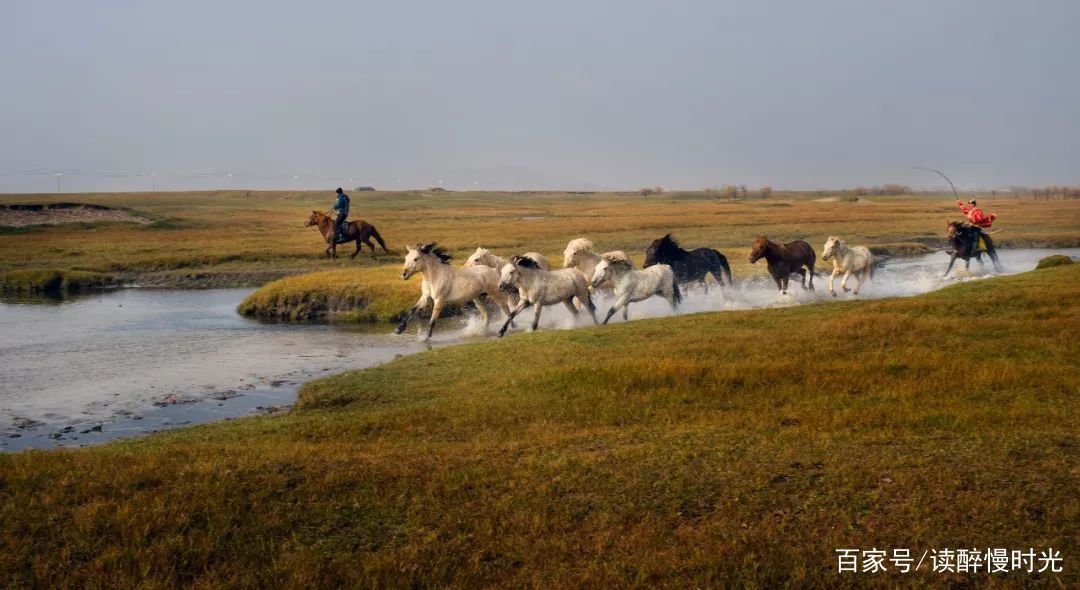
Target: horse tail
{"points": [[676, 294], [726, 268], [378, 238]]}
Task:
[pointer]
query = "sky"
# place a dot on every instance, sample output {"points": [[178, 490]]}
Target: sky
{"points": [[513, 95]]}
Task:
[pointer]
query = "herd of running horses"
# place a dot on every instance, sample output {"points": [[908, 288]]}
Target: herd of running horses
{"points": [[527, 280]]}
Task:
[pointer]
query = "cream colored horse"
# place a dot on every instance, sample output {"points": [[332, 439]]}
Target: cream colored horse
{"points": [[635, 285], [444, 284], [541, 287], [579, 254], [486, 257], [855, 260]]}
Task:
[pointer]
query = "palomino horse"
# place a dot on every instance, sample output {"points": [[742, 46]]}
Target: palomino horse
{"points": [[785, 260], [848, 260], [636, 285], [358, 231], [689, 266], [965, 241], [444, 284], [541, 287], [579, 254]]}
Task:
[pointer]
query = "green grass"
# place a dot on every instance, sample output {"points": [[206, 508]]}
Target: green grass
{"points": [[53, 281], [1055, 260], [735, 449], [357, 295]]}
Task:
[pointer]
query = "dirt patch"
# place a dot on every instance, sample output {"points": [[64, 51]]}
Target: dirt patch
{"points": [[19, 215]]}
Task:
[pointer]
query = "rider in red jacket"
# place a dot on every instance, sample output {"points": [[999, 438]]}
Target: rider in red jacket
{"points": [[976, 219], [975, 216]]}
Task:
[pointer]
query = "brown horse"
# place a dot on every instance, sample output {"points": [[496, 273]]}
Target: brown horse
{"points": [[785, 260], [356, 231]]}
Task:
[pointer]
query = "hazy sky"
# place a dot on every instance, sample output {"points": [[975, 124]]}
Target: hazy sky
{"points": [[608, 94]]}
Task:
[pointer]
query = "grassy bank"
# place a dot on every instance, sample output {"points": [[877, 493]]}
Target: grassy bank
{"points": [[251, 237], [53, 281], [358, 295], [712, 450]]}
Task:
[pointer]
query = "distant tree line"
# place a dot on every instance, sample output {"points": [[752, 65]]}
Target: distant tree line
{"points": [[885, 189]]}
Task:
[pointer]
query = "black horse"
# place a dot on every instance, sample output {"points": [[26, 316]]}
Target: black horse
{"points": [[965, 244], [688, 265]]}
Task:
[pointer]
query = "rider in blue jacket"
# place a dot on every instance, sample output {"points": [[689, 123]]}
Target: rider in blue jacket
{"points": [[342, 207]]}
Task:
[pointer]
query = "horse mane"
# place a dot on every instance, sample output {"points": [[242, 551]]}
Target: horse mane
{"points": [[615, 257], [667, 244], [524, 261], [577, 245], [435, 250]]}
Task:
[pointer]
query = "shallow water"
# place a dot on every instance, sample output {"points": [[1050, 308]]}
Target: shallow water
{"points": [[137, 360], [128, 362]]}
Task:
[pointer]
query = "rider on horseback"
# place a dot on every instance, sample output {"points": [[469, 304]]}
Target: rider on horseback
{"points": [[342, 207], [976, 219]]}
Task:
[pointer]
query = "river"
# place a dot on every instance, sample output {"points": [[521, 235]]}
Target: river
{"points": [[92, 368]]}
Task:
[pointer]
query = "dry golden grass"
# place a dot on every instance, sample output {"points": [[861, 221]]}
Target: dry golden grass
{"points": [[734, 449], [253, 237]]}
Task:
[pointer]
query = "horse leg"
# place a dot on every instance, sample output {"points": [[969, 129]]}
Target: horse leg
{"points": [[569, 303], [610, 313], [359, 247], [536, 316], [861, 277], [843, 281], [780, 281], [479, 303], [592, 308], [802, 277], [524, 303], [832, 277], [408, 315], [626, 312], [952, 261], [435, 311]]}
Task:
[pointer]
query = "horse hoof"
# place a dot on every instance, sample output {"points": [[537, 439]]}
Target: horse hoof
{"points": [[845, 289], [833, 293]]}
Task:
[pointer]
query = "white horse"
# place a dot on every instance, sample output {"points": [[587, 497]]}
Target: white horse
{"points": [[486, 257], [579, 254], [541, 287], [635, 285], [855, 260], [445, 284]]}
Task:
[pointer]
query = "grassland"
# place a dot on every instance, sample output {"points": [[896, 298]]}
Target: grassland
{"points": [[230, 238], [734, 449]]}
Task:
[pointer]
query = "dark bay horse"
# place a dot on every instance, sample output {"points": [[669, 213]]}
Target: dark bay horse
{"points": [[964, 240], [689, 265], [785, 260], [356, 231]]}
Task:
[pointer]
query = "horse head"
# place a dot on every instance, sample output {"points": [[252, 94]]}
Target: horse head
{"points": [[955, 230], [414, 259], [661, 251], [477, 257], [575, 247], [313, 219], [831, 246], [509, 275], [759, 248]]}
